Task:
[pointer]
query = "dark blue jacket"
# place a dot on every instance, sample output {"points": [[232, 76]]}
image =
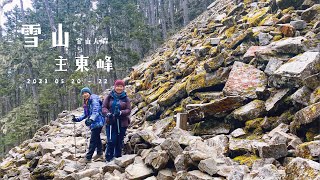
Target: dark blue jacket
{"points": [[93, 110]]}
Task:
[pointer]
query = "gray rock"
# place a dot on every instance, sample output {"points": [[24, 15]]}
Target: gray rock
{"points": [[181, 136], [209, 166], [110, 167], [310, 13], [147, 135], [87, 173], [242, 145], [46, 147], [151, 178], [252, 110], [238, 132], [276, 100], [312, 81], [301, 96], [165, 174], [309, 3], [261, 162], [125, 160], [235, 175], [264, 38], [209, 95], [268, 171], [299, 24], [182, 162], [283, 4], [220, 144], [306, 115], [229, 21], [214, 41], [296, 169], [198, 175], [272, 66], [280, 128], [273, 151], [218, 108], [300, 67], [308, 149], [161, 125], [172, 147], [158, 160], [315, 96], [294, 45], [138, 171]]}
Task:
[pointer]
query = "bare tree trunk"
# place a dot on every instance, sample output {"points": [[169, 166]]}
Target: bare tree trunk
{"points": [[22, 11], [53, 27], [185, 12], [171, 13], [162, 19]]}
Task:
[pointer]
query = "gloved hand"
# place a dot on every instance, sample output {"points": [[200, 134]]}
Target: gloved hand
{"points": [[88, 122], [109, 118], [74, 119], [109, 115]]}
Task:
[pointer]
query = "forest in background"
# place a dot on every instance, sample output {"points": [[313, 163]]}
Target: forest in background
{"points": [[133, 28]]}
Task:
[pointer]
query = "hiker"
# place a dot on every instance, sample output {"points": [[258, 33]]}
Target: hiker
{"points": [[92, 112], [116, 108]]}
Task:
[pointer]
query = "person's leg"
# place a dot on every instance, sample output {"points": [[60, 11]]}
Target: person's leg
{"points": [[98, 142], [119, 144], [111, 137], [92, 145]]}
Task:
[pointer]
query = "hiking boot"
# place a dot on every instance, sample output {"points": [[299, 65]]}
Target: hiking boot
{"points": [[98, 157], [85, 160]]}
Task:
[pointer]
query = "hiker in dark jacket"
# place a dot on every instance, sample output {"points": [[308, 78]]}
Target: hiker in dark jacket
{"points": [[117, 108], [92, 112]]}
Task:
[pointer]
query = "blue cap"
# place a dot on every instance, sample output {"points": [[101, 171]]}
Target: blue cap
{"points": [[85, 89]]}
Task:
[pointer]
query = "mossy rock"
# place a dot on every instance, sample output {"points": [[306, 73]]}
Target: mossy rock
{"points": [[255, 19], [229, 32], [246, 159], [195, 82], [163, 88], [176, 93], [253, 124]]}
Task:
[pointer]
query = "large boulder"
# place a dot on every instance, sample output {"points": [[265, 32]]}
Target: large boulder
{"points": [[46, 147], [311, 13], [198, 175], [158, 159], [252, 110], [172, 147], [244, 80], [306, 115], [204, 80], [138, 171], [125, 160], [208, 166], [176, 93], [292, 73], [308, 149], [294, 45], [217, 108], [273, 151], [300, 168]]}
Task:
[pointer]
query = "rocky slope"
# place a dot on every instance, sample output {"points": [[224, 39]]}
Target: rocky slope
{"points": [[247, 74]]}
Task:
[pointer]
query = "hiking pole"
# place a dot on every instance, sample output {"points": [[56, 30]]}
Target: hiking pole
{"points": [[75, 139], [118, 126]]}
